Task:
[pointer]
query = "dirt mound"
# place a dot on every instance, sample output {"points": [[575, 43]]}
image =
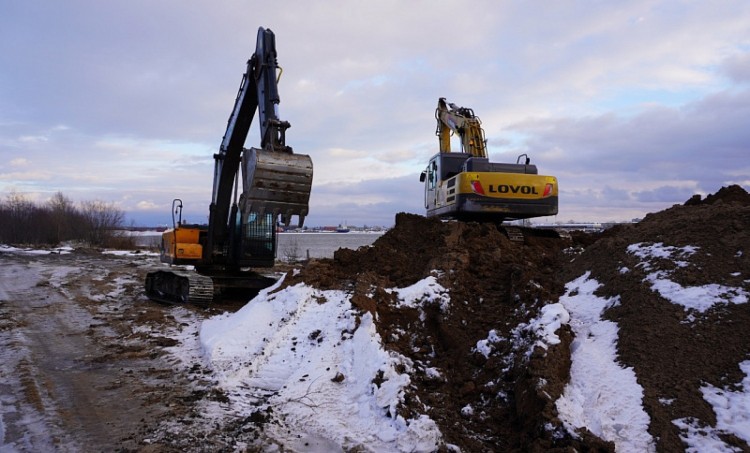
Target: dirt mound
{"points": [[701, 248], [731, 194], [477, 372], [476, 375]]}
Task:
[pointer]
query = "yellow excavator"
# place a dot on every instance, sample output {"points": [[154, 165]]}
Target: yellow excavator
{"points": [[465, 185], [241, 230]]}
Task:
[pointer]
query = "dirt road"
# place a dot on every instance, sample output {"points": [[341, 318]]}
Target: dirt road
{"points": [[84, 362]]}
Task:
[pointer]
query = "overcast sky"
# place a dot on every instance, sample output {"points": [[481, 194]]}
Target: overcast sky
{"points": [[634, 106]]}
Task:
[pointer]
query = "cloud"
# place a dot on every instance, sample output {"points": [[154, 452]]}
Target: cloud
{"points": [[665, 194], [702, 144], [19, 162], [737, 67], [128, 101], [147, 205]]}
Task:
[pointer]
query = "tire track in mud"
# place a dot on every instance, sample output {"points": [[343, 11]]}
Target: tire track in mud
{"points": [[22, 424], [67, 384]]}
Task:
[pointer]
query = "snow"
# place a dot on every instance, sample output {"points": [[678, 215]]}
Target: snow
{"points": [[601, 396], [698, 298], [732, 409], [551, 318], [484, 346], [425, 291], [65, 250], [699, 440], [130, 253], [321, 365]]}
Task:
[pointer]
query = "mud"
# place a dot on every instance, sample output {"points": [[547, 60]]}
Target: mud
{"points": [[84, 362]]}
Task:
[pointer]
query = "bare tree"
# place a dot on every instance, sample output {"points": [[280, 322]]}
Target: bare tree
{"points": [[24, 222], [17, 219], [291, 252], [101, 219], [64, 216]]}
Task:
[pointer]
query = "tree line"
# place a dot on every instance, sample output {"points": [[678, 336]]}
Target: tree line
{"points": [[23, 221]]}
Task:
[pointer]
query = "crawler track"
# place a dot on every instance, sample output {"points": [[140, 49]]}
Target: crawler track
{"points": [[180, 287]]}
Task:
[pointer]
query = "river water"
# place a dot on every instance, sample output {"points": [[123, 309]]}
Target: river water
{"points": [[320, 245], [296, 246]]}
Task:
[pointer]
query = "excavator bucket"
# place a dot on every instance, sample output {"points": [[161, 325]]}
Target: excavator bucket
{"points": [[276, 182]]}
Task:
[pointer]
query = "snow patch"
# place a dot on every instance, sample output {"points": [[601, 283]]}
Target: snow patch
{"points": [[305, 352], [65, 250], [601, 396], [425, 291], [485, 347], [551, 318], [699, 298], [129, 253], [701, 439], [732, 409]]}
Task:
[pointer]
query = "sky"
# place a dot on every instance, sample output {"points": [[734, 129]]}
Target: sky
{"points": [[634, 106]]}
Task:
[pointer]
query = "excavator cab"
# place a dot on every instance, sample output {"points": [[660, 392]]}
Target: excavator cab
{"points": [[258, 238]]}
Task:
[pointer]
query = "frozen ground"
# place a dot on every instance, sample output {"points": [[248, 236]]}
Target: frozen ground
{"points": [[638, 343]]}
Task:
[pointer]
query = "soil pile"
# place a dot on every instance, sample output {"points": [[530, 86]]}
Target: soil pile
{"points": [[475, 374], [479, 374], [675, 351]]}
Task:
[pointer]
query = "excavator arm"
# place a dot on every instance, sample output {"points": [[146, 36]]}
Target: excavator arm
{"points": [[462, 121], [275, 181]]}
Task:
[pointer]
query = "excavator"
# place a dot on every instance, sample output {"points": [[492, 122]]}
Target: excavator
{"points": [[465, 185], [242, 224]]}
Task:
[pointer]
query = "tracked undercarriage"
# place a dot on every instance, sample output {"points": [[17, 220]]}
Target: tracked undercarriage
{"points": [[189, 287], [519, 234]]}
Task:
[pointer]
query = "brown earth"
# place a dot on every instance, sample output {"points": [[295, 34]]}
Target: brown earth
{"points": [[496, 284], [674, 351]]}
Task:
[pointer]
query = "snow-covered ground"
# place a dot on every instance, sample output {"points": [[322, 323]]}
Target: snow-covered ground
{"points": [[64, 250], [601, 395], [699, 298], [322, 367], [605, 397], [302, 350]]}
